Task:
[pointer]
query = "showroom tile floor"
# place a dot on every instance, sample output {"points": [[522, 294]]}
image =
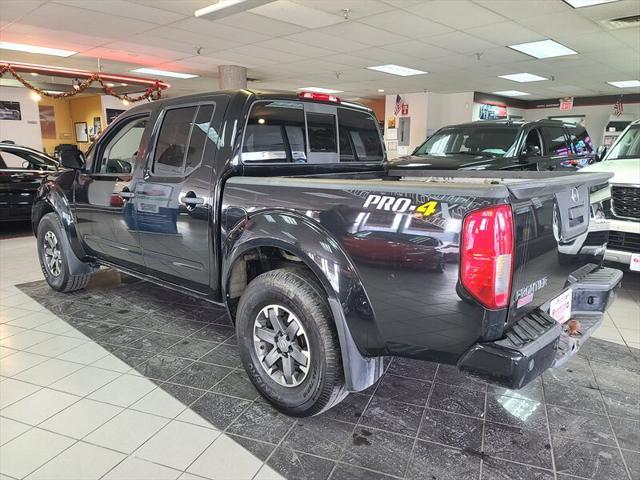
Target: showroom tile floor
{"points": [[125, 380]]}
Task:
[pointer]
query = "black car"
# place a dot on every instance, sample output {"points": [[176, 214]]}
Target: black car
{"points": [[282, 208], [505, 145], [21, 172]]}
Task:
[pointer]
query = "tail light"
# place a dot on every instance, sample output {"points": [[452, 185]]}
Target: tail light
{"points": [[321, 97], [486, 263]]}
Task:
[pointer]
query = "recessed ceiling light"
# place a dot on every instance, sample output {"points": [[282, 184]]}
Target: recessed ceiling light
{"points": [[22, 47], [511, 93], [586, 3], [397, 70], [625, 83], [523, 77], [34, 74], [543, 49], [319, 90], [163, 73], [110, 85], [381, 90]]}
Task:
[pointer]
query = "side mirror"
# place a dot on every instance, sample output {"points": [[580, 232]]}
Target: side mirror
{"points": [[529, 151], [601, 151], [72, 158]]}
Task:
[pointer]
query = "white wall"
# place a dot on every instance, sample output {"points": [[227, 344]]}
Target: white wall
{"points": [[418, 114], [26, 131], [448, 109], [112, 102], [596, 117]]}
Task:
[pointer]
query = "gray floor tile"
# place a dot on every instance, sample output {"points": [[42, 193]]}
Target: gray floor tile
{"points": [[406, 367], [515, 411], [518, 444], [633, 462], [457, 399], [261, 450], [451, 429], [587, 459], [159, 402], [451, 375], [496, 469], [377, 450], [348, 472], [292, 464], [392, 416], [200, 375], [579, 425], [622, 404], [628, 433], [319, 435], [237, 384], [435, 461], [574, 397], [408, 390], [163, 367], [220, 410], [224, 354], [261, 422]]}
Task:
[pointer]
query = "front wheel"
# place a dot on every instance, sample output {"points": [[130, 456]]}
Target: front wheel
{"points": [[288, 342], [53, 251]]}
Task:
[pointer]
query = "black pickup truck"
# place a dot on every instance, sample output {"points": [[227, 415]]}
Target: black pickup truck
{"points": [[282, 207]]}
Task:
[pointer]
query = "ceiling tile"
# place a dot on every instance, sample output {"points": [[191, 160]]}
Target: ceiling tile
{"points": [[551, 24], [266, 53], [257, 23], [402, 21], [460, 42], [459, 14], [184, 7], [329, 42], [523, 9], [13, 10], [418, 49], [219, 30], [359, 32], [298, 14], [357, 8], [127, 9], [504, 33]]}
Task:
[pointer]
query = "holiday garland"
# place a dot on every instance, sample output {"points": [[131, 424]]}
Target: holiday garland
{"points": [[153, 92]]}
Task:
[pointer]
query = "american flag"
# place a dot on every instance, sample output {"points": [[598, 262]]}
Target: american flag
{"points": [[618, 108], [398, 105]]}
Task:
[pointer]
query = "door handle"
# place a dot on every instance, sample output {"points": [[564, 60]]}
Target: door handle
{"points": [[126, 194], [192, 199]]}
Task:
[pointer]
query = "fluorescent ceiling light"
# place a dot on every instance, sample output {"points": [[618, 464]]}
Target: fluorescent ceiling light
{"points": [[523, 77], [381, 90], [397, 70], [586, 3], [543, 49], [511, 93], [319, 90], [21, 47], [625, 83], [163, 73], [224, 8]]}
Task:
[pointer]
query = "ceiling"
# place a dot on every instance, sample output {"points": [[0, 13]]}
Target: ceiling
{"points": [[288, 44]]}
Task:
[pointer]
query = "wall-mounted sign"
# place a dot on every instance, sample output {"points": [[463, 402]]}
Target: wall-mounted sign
{"points": [[405, 109], [391, 122], [566, 103], [10, 110]]}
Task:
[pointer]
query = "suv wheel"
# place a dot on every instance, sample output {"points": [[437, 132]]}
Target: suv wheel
{"points": [[288, 343], [53, 248]]}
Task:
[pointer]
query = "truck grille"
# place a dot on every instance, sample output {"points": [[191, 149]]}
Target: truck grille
{"points": [[629, 242], [626, 201]]}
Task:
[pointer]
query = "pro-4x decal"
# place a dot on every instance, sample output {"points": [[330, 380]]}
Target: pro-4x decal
{"points": [[400, 205]]}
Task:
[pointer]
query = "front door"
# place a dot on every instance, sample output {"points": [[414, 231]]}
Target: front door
{"points": [[173, 201], [558, 150], [104, 194]]}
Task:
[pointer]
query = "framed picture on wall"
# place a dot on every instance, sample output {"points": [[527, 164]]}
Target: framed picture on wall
{"points": [[112, 114], [47, 121], [10, 110], [82, 134]]}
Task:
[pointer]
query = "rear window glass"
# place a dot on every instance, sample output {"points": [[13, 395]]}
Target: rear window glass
{"points": [[173, 140], [557, 142], [580, 141], [282, 132]]}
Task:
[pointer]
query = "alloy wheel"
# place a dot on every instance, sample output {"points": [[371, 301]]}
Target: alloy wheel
{"points": [[282, 345], [52, 253]]}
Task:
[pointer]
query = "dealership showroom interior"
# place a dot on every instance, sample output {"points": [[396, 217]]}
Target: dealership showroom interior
{"points": [[320, 239]]}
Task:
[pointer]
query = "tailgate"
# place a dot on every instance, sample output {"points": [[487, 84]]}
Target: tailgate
{"points": [[551, 218]]}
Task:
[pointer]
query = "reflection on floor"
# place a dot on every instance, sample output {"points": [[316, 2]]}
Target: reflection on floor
{"points": [[420, 421]]}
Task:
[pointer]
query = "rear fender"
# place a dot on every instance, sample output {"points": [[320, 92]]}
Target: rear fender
{"points": [[320, 252]]}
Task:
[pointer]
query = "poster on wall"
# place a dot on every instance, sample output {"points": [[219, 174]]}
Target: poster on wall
{"points": [[47, 122], [10, 110], [112, 114], [492, 112], [82, 134]]}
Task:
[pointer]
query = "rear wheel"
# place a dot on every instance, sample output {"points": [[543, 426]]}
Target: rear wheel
{"points": [[53, 248], [288, 343]]}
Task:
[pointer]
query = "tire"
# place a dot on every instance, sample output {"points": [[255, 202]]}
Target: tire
{"points": [[293, 295], [52, 241]]}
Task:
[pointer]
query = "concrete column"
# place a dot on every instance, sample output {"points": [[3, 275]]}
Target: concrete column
{"points": [[232, 76]]}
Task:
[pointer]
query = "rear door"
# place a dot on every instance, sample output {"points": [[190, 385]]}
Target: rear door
{"points": [[173, 201], [557, 150], [582, 152]]}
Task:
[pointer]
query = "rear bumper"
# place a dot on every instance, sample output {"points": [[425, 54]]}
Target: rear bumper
{"points": [[537, 342]]}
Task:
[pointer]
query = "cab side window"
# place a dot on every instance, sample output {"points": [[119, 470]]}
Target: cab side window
{"points": [[533, 143], [182, 140], [119, 154], [557, 142]]}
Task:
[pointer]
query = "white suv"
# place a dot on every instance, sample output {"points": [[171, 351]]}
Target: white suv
{"points": [[621, 198]]}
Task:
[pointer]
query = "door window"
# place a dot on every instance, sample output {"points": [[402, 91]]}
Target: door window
{"points": [[557, 142], [120, 152], [171, 149], [21, 160], [580, 140], [533, 143], [201, 134]]}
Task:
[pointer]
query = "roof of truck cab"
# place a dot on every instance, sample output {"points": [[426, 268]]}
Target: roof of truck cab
{"points": [[509, 123]]}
